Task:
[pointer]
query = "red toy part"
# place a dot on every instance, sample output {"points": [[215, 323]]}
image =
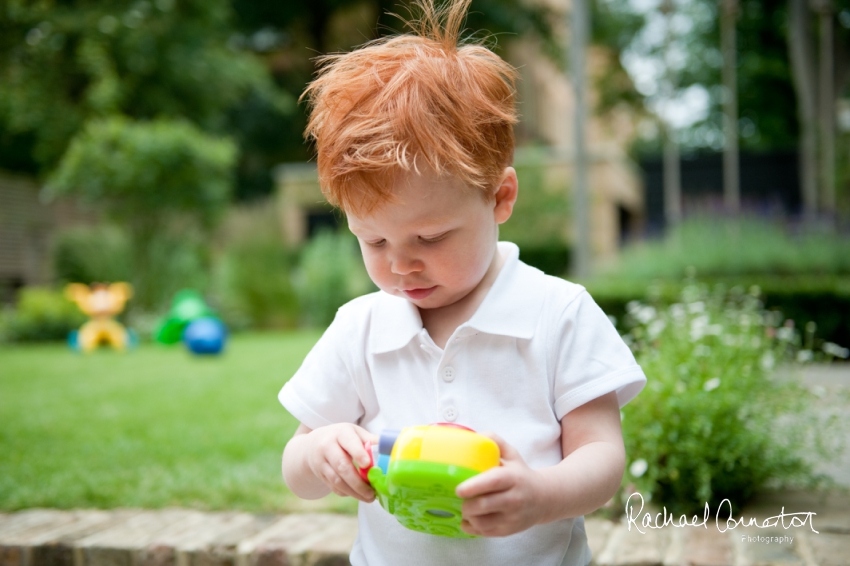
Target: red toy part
{"points": [[364, 471]]}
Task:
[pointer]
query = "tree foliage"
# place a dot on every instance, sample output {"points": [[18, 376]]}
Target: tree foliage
{"points": [[232, 66], [151, 177], [768, 118], [63, 63]]}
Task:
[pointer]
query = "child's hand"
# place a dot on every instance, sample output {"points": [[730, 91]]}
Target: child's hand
{"points": [[504, 500], [332, 449]]}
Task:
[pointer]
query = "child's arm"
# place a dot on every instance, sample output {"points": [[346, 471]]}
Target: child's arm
{"points": [[513, 497], [316, 462]]}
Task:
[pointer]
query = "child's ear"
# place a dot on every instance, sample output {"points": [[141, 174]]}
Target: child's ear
{"points": [[506, 194]]}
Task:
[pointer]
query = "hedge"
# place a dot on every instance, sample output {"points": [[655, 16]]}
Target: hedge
{"points": [[822, 299]]}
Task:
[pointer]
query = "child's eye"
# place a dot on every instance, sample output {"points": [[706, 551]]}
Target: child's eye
{"points": [[376, 243], [435, 239]]}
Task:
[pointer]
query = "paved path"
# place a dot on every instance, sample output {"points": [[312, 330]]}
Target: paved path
{"points": [[180, 537]]}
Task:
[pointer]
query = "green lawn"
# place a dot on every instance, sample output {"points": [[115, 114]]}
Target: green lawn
{"points": [[152, 428]]}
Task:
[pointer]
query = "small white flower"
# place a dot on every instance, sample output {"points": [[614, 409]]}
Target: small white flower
{"points": [[638, 468], [804, 356], [702, 350], [712, 384], [835, 350], [785, 333], [698, 306], [655, 328], [677, 311], [767, 361], [699, 327], [632, 306], [645, 314]]}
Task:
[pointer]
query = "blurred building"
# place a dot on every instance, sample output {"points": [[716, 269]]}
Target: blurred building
{"points": [[27, 228], [770, 186]]}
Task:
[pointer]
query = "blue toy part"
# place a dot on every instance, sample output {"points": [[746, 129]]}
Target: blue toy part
{"points": [[205, 335], [387, 441], [384, 462], [132, 339], [74, 340]]}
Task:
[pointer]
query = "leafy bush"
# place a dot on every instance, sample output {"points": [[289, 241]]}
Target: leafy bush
{"points": [[162, 180], [714, 421], [41, 314], [330, 273], [823, 300], [537, 223], [733, 247], [88, 254], [253, 282]]}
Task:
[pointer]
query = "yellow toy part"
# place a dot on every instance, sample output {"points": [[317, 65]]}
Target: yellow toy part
{"points": [[446, 445], [108, 332], [101, 302], [99, 299]]}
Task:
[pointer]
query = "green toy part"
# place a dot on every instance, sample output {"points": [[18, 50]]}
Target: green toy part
{"points": [[422, 497], [416, 470], [187, 305]]}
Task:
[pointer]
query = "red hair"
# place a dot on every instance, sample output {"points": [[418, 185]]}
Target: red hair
{"points": [[402, 102]]}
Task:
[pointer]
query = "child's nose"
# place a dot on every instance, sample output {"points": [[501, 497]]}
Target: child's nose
{"points": [[405, 265]]}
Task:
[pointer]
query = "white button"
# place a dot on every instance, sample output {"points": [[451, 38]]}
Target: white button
{"points": [[448, 373], [450, 414]]}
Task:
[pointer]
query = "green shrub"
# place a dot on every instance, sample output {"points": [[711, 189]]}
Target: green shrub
{"points": [[553, 259], [714, 421], [41, 314], [163, 180], [88, 254], [537, 223], [718, 247], [253, 283], [330, 273], [824, 300]]}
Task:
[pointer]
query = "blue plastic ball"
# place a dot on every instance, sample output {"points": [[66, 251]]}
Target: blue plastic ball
{"points": [[205, 336]]}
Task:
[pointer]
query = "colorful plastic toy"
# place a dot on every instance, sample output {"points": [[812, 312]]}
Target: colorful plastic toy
{"points": [[102, 303], [415, 472], [193, 322], [205, 336], [187, 305]]}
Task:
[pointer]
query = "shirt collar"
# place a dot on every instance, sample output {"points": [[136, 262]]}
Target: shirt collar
{"points": [[511, 308]]}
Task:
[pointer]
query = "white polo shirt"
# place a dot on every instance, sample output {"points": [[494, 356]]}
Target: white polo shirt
{"points": [[536, 348]]}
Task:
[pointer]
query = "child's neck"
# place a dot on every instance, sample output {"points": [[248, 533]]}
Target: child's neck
{"points": [[442, 322]]}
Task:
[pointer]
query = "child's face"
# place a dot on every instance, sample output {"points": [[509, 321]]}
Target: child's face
{"points": [[434, 243]]}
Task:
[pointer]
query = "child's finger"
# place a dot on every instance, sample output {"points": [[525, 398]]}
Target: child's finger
{"points": [[487, 504], [490, 481], [351, 442], [343, 479], [345, 469], [366, 435]]}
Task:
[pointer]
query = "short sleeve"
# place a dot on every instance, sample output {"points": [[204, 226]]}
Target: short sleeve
{"points": [[322, 392], [591, 358]]}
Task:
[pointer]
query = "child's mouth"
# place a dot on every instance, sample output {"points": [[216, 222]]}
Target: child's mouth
{"points": [[419, 294]]}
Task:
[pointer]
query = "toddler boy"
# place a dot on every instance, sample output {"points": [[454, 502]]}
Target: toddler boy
{"points": [[415, 141]]}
